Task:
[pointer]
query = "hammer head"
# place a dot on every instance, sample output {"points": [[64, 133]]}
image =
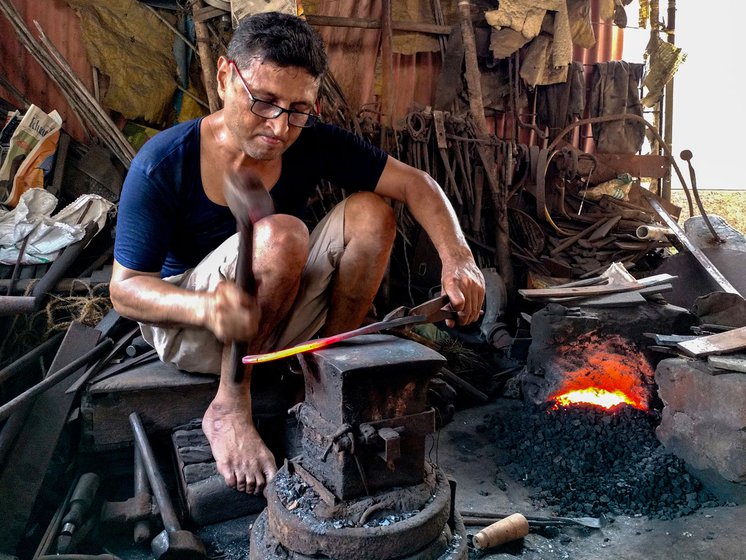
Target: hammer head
{"points": [[246, 196], [177, 545]]}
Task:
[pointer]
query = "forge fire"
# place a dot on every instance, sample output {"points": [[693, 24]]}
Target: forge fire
{"points": [[604, 372]]}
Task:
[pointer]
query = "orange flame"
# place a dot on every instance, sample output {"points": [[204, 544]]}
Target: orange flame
{"points": [[602, 373], [597, 397]]}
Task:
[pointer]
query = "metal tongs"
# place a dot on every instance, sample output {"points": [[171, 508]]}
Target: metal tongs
{"points": [[402, 318]]}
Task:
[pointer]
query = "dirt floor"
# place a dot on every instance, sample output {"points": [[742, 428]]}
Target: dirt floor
{"points": [[464, 451]]}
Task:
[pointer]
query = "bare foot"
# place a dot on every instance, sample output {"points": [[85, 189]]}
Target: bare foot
{"points": [[241, 456]]}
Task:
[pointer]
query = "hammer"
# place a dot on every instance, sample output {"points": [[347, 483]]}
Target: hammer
{"points": [[249, 202], [173, 542]]}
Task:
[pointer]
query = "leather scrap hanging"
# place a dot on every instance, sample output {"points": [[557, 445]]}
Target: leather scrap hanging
{"points": [[615, 90]]}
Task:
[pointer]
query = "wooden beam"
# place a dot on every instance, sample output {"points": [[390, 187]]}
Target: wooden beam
{"points": [[369, 23], [206, 61]]}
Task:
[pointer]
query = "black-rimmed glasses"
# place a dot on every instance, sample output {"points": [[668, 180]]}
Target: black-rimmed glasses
{"points": [[268, 110]]}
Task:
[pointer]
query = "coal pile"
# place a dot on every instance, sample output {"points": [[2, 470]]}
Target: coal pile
{"points": [[584, 460]]}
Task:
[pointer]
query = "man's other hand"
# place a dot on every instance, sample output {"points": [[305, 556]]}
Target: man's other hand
{"points": [[463, 282]]}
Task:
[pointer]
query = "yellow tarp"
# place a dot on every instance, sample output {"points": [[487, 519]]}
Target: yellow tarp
{"points": [[130, 45]]}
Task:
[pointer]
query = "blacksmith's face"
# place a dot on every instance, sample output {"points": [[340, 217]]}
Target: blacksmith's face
{"points": [[264, 84]]}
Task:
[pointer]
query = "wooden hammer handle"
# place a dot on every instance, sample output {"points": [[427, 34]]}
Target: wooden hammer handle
{"points": [[513, 527]]}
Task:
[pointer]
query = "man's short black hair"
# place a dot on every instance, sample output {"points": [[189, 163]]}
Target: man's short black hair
{"points": [[282, 39]]}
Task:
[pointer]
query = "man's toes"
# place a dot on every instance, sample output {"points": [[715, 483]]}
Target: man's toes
{"points": [[228, 475]]}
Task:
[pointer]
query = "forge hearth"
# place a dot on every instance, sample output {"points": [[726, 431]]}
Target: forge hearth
{"points": [[361, 488], [583, 348]]}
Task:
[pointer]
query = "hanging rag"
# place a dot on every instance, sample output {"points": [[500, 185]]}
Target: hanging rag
{"points": [[664, 60], [579, 14], [557, 105], [527, 17]]}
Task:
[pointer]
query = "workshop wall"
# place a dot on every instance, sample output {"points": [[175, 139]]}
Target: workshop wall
{"points": [[17, 65], [354, 54]]}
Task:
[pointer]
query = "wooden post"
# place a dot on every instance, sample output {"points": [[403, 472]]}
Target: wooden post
{"points": [[387, 72], [476, 108], [207, 63]]}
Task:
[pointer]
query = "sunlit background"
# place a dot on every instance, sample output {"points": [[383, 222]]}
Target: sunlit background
{"points": [[709, 108]]}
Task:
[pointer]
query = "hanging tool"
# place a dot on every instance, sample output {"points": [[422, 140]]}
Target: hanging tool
{"points": [[249, 202], [432, 311]]}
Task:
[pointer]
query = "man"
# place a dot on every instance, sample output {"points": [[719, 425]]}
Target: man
{"points": [[175, 250]]}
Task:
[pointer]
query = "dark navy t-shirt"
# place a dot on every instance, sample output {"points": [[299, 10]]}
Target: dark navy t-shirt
{"points": [[166, 223]]}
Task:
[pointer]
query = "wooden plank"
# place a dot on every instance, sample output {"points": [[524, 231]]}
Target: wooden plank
{"points": [[719, 343], [23, 476], [587, 291], [734, 362], [108, 401]]}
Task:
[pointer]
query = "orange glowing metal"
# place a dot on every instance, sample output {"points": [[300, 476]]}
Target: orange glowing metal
{"points": [[280, 354], [329, 340], [597, 397]]}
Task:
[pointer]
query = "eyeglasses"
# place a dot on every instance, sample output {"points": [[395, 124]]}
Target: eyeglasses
{"points": [[268, 110]]}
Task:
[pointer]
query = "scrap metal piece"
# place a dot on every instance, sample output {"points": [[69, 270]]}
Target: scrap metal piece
{"points": [[706, 263]]}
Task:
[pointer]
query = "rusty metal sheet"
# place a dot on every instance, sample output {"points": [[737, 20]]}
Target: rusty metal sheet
{"points": [[653, 166]]}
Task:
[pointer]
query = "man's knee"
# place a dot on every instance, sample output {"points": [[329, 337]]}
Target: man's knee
{"points": [[369, 216], [281, 238]]}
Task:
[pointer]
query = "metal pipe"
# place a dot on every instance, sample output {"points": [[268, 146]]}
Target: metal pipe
{"points": [[62, 263], [30, 358], [13, 305], [11, 406], [655, 233]]}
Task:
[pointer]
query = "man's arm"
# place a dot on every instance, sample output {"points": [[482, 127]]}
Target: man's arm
{"points": [[144, 297], [461, 278]]}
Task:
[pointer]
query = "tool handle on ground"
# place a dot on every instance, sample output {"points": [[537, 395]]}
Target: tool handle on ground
{"points": [[170, 520], [81, 500], [513, 527], [141, 531]]}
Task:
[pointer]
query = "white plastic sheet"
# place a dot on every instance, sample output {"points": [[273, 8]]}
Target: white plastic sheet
{"points": [[47, 234]]}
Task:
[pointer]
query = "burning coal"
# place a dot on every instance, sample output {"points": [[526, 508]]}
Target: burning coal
{"points": [[604, 373]]}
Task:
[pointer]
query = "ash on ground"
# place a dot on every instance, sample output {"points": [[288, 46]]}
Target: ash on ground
{"points": [[584, 460]]}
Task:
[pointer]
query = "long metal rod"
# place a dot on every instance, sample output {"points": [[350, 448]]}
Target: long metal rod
{"points": [[706, 263], [170, 521], [11, 406], [29, 359]]}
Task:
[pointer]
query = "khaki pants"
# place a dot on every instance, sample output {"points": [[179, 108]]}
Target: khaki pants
{"points": [[197, 350]]}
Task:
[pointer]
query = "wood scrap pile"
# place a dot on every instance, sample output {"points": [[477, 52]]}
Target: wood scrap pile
{"points": [[602, 291]]}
